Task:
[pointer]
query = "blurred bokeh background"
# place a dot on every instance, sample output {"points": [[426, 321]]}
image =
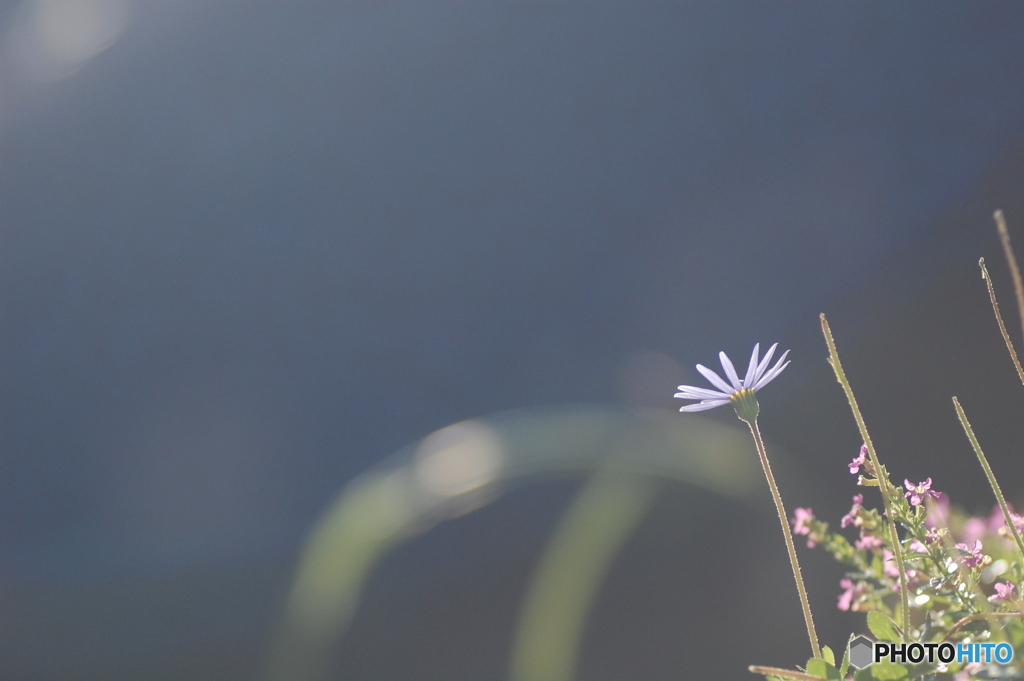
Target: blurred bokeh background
{"points": [[248, 250]]}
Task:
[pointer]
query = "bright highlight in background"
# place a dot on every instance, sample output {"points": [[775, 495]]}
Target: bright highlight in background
{"points": [[51, 39]]}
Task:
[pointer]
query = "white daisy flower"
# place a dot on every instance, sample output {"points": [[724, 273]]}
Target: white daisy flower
{"points": [[740, 393]]}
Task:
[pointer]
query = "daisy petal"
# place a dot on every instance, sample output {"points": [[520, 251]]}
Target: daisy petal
{"points": [[715, 379], [730, 371], [770, 376], [764, 363], [690, 392], [704, 406], [748, 380], [773, 372], [757, 376]]}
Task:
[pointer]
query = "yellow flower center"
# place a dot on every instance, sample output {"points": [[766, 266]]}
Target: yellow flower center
{"points": [[745, 404]]}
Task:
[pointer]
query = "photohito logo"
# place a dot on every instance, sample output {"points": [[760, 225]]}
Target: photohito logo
{"points": [[864, 652]]}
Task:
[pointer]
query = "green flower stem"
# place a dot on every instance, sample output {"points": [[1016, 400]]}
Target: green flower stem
{"points": [[980, 605], [1011, 261], [999, 317], [782, 673], [885, 485], [977, 616], [988, 472], [783, 519]]}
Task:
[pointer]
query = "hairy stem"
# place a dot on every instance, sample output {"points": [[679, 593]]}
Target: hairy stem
{"points": [[784, 521], [977, 616], [884, 485], [999, 317], [1011, 260], [991, 476], [781, 673]]}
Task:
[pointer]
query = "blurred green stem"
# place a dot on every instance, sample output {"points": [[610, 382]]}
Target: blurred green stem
{"points": [[601, 518]]}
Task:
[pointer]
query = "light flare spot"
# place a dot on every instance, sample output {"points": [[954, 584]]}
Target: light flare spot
{"points": [[458, 459], [989, 574], [51, 39]]}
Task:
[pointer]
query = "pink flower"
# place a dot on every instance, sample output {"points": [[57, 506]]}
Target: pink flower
{"points": [[853, 518], [975, 558], [889, 564], [938, 512], [974, 529], [801, 518], [996, 519], [859, 460], [997, 522], [1004, 592], [868, 541], [918, 547], [851, 596], [917, 493]]}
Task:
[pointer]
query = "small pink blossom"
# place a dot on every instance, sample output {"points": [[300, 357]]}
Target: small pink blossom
{"points": [[938, 512], [917, 493], [918, 547], [1004, 592], [1018, 522], [974, 529], [851, 596], [996, 519], [975, 558], [868, 541], [859, 460], [889, 564], [853, 517], [801, 518]]}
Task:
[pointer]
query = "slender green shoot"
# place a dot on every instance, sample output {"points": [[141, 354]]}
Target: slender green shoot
{"points": [[1011, 260], [782, 673], [975, 617], [999, 317], [991, 476], [885, 486], [794, 563]]}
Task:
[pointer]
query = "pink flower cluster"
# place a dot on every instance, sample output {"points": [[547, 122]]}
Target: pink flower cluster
{"points": [[850, 597], [801, 520], [919, 492], [860, 460]]}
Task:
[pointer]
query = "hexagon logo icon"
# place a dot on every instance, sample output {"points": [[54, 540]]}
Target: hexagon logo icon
{"points": [[862, 651]]}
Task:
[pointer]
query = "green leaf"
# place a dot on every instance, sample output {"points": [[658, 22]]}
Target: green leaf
{"points": [[863, 675], [845, 666], [882, 627], [887, 671], [828, 655], [822, 669]]}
